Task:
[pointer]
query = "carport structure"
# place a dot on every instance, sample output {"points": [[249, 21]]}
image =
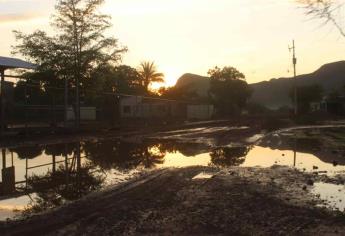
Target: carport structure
{"points": [[7, 63]]}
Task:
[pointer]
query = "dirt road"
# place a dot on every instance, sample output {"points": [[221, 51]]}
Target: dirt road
{"points": [[235, 201]]}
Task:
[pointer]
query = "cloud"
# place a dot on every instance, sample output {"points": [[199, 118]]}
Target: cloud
{"points": [[23, 10], [14, 17]]}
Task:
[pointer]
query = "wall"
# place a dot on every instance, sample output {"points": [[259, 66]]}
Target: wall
{"points": [[86, 113], [200, 112]]}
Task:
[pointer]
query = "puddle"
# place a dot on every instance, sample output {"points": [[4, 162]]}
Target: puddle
{"points": [[37, 178], [203, 175], [267, 157], [332, 195]]}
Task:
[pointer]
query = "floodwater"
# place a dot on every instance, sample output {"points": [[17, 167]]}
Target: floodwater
{"points": [[332, 195], [38, 178]]}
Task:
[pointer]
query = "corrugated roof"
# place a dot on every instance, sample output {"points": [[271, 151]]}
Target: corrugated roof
{"points": [[12, 63]]}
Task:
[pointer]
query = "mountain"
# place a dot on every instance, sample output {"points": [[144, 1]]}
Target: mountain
{"points": [[194, 83], [275, 93]]}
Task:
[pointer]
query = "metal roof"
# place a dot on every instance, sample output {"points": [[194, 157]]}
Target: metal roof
{"points": [[12, 63]]}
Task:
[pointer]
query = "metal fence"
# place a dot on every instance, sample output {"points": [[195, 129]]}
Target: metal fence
{"points": [[32, 106]]}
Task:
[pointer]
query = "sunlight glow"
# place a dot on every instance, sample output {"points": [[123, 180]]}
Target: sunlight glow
{"points": [[195, 35]]}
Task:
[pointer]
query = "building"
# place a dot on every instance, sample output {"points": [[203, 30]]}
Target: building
{"points": [[141, 107], [155, 108], [86, 114], [7, 63], [332, 105], [200, 112]]}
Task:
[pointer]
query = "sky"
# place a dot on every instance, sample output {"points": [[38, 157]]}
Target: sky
{"points": [[192, 36]]}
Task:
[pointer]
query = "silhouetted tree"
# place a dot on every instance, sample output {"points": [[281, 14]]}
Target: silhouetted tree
{"points": [[79, 45], [181, 94], [228, 90], [149, 74]]}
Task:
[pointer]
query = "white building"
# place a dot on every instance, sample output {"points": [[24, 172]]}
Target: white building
{"points": [[200, 112], [141, 107]]}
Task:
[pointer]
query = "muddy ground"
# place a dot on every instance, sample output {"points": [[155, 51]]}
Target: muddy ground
{"points": [[188, 129], [233, 201]]}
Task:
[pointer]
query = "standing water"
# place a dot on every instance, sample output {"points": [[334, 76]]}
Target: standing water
{"points": [[38, 178]]}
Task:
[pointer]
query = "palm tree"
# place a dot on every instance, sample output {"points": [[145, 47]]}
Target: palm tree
{"points": [[149, 74]]}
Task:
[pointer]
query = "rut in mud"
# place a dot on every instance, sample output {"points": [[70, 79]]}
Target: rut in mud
{"points": [[232, 201]]}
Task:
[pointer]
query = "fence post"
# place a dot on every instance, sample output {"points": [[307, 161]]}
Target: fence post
{"points": [[66, 102], [53, 113], [2, 102], [25, 107], [77, 105]]}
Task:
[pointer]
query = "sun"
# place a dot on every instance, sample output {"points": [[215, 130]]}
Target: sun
{"points": [[171, 75], [170, 78]]}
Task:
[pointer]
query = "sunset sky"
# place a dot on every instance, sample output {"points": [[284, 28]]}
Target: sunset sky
{"points": [[194, 35]]}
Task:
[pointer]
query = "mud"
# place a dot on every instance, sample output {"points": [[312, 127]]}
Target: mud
{"points": [[207, 200], [237, 201]]}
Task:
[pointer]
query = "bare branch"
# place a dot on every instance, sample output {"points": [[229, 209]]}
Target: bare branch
{"points": [[326, 10]]}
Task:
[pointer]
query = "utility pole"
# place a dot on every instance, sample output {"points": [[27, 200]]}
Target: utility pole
{"points": [[294, 62]]}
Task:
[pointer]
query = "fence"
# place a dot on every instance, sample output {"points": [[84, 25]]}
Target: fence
{"points": [[30, 105]]}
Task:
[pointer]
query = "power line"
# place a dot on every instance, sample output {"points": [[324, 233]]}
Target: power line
{"points": [[31, 85]]}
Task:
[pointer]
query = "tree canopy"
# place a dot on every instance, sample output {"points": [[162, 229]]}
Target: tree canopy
{"points": [[149, 74], [79, 44], [228, 90]]}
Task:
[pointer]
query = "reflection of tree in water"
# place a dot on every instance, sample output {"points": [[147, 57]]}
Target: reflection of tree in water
{"points": [[300, 142], [110, 154], [152, 156], [229, 156], [305, 144], [55, 188], [187, 149], [30, 152], [62, 149]]}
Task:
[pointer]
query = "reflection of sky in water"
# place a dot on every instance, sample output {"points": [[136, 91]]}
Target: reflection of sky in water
{"points": [[261, 157], [266, 157], [177, 159], [12, 207], [333, 195], [257, 156], [34, 165]]}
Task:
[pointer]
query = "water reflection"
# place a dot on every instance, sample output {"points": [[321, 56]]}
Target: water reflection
{"points": [[55, 174], [229, 156], [327, 152], [62, 185], [332, 195], [27, 152], [110, 154], [51, 175]]}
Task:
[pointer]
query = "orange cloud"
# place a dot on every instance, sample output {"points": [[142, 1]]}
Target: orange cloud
{"points": [[7, 18]]}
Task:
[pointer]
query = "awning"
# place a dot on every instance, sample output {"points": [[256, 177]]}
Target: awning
{"points": [[14, 63]]}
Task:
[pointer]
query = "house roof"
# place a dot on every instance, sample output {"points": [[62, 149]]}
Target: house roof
{"points": [[13, 63]]}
